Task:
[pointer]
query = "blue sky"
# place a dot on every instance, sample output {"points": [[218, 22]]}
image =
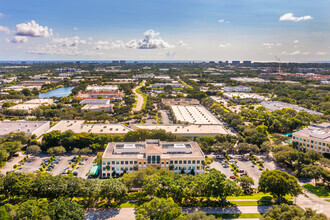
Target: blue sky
{"points": [[164, 30]]}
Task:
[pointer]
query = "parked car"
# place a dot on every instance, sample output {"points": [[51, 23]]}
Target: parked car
{"points": [[241, 171], [225, 165], [75, 173]]}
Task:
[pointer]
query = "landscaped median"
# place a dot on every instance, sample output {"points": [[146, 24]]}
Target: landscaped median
{"points": [[317, 190]]}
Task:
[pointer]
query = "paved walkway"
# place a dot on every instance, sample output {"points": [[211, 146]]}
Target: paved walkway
{"points": [[10, 163], [129, 213], [313, 202], [227, 210], [139, 103]]}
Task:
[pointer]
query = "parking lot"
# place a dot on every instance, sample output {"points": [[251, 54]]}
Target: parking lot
{"points": [[33, 163], [243, 162], [60, 163]]}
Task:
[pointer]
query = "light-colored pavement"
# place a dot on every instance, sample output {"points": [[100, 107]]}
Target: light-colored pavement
{"points": [[227, 210], [112, 213], [33, 163], [84, 169], [64, 163], [10, 163], [313, 202], [129, 213], [165, 119], [139, 103]]}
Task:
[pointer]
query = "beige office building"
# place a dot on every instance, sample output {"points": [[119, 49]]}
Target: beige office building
{"points": [[133, 156], [314, 137]]}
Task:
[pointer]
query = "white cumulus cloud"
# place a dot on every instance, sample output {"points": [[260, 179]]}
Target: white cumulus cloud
{"points": [[224, 45], [182, 44], [320, 53], [75, 28], [152, 40], [4, 29], [19, 39], [291, 17], [271, 45], [69, 42], [33, 29], [296, 41]]}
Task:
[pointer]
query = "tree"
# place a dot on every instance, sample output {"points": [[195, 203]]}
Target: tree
{"points": [[279, 184], [158, 209], [56, 150], [33, 149], [266, 146], [288, 212], [65, 210], [314, 156], [246, 182], [29, 210], [312, 171], [112, 189]]}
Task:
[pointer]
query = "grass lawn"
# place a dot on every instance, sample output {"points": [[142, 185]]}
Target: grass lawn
{"points": [[319, 191], [253, 196], [185, 84], [328, 200], [242, 215]]}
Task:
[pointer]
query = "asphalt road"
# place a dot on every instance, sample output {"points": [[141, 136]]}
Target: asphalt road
{"points": [[165, 119], [9, 165]]}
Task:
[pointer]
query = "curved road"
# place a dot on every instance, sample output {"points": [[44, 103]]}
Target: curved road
{"points": [[139, 103]]}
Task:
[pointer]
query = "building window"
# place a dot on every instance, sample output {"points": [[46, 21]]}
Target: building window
{"points": [[312, 141], [140, 162], [175, 162], [180, 161], [163, 162], [117, 162], [193, 162], [131, 162], [103, 168], [126, 162], [189, 161], [113, 162], [184, 162], [158, 159], [149, 159], [171, 162], [104, 162], [108, 162], [135, 162], [122, 162], [167, 162], [307, 140], [112, 168], [198, 161]]}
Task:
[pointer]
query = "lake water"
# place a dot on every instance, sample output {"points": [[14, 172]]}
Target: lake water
{"points": [[59, 92]]}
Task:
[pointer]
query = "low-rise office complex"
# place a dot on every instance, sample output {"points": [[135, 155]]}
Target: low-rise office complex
{"points": [[314, 137], [237, 89], [189, 131], [180, 101], [193, 114], [31, 104], [96, 105], [29, 127], [276, 105], [105, 88], [247, 97], [78, 126], [181, 157]]}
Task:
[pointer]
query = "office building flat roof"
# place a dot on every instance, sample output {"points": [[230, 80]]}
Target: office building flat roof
{"points": [[20, 126], [194, 114], [182, 130], [78, 126], [138, 150], [321, 132], [276, 105]]}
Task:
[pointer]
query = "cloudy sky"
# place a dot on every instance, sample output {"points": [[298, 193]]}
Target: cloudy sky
{"points": [[257, 30]]}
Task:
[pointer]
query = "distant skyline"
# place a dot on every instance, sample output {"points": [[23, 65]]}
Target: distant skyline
{"points": [[257, 30]]}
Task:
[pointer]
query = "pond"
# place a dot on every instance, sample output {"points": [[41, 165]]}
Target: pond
{"points": [[59, 92]]}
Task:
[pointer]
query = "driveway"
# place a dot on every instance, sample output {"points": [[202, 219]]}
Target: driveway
{"points": [[84, 169], [10, 163], [165, 119], [139, 98]]}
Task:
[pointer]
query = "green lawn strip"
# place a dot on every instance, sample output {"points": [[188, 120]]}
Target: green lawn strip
{"points": [[240, 215], [319, 191], [190, 87], [328, 200]]}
